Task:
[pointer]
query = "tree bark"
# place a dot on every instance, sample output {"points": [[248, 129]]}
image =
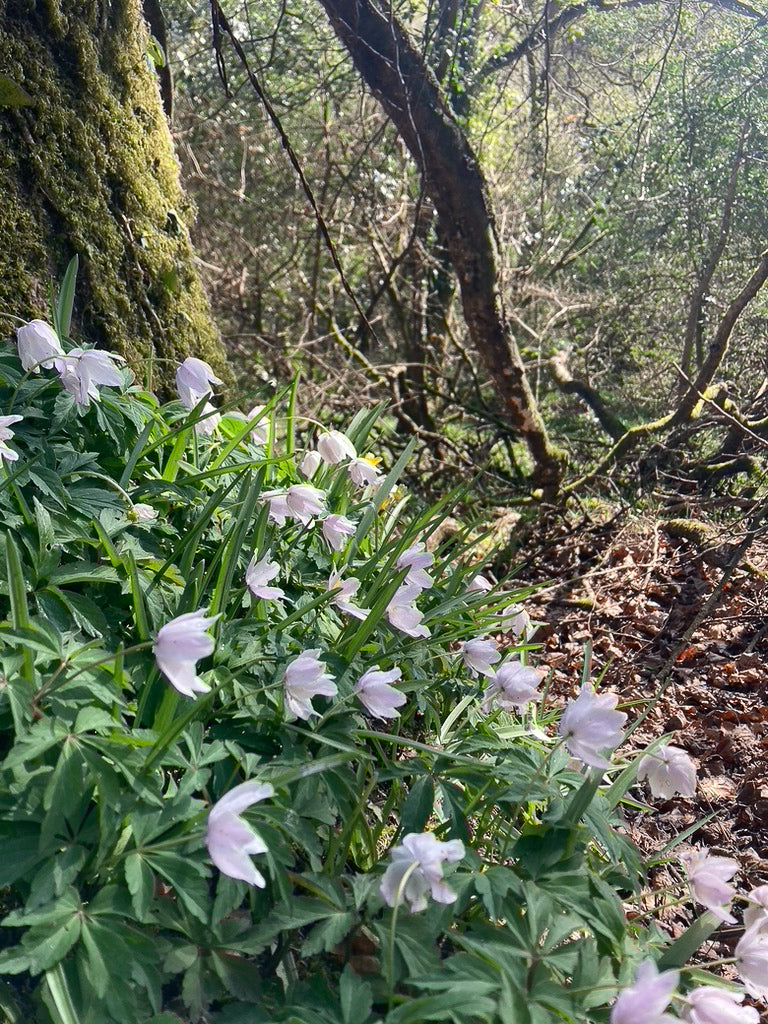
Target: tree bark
{"points": [[397, 75], [87, 168]]}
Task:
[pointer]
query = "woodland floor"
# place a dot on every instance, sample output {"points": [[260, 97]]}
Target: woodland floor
{"points": [[635, 592]]}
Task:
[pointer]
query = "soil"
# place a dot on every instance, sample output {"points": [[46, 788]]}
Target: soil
{"points": [[674, 627]]}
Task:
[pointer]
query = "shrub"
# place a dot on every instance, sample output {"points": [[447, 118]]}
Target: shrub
{"points": [[208, 659]]}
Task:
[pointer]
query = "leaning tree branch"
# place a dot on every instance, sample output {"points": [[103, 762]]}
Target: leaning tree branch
{"points": [[695, 310], [399, 78], [569, 385], [719, 344], [695, 396]]}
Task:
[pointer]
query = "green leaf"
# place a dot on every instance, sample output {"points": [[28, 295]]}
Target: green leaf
{"points": [[185, 877], [62, 316], [83, 572], [355, 997], [93, 961], [329, 933], [426, 1008], [141, 884], [46, 947], [139, 604], [12, 94], [58, 998], [682, 949], [17, 590], [418, 805]]}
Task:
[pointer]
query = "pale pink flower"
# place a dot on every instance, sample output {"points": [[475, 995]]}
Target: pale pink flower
{"points": [[310, 464], [669, 770], [6, 434], [278, 506], [752, 961], [515, 619], [514, 686], [709, 1005], [345, 591], [230, 840], [403, 614], [333, 447], [418, 561], [374, 692], [260, 433], [39, 346], [194, 378], [257, 577], [591, 724], [305, 502], [480, 656], [141, 513], [179, 646], [305, 678], [708, 877], [209, 421], [82, 371], [363, 472], [756, 914], [423, 856], [645, 1002], [337, 530], [479, 585]]}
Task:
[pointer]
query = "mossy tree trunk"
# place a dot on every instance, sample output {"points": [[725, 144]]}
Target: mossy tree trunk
{"points": [[87, 167]]}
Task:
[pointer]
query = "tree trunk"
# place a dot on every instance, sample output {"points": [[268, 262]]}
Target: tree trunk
{"points": [[399, 78], [87, 168]]}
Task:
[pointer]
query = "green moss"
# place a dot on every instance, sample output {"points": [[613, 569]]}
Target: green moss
{"points": [[90, 169]]}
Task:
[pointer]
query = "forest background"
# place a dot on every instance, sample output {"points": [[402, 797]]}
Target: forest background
{"points": [[526, 242]]}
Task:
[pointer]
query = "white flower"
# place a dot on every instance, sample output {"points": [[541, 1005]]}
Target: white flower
{"points": [[752, 961], [708, 877], [479, 584], [310, 464], [278, 506], [514, 686], [230, 840], [336, 530], [305, 501], [363, 472], [259, 434], [403, 614], [418, 561], [718, 1006], [515, 619], [669, 770], [334, 447], [374, 691], [179, 645], [257, 576], [480, 656], [345, 589], [38, 345], [206, 426], [305, 678], [141, 513], [420, 857], [757, 912], [81, 371], [193, 380], [646, 1000], [6, 434], [591, 724]]}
